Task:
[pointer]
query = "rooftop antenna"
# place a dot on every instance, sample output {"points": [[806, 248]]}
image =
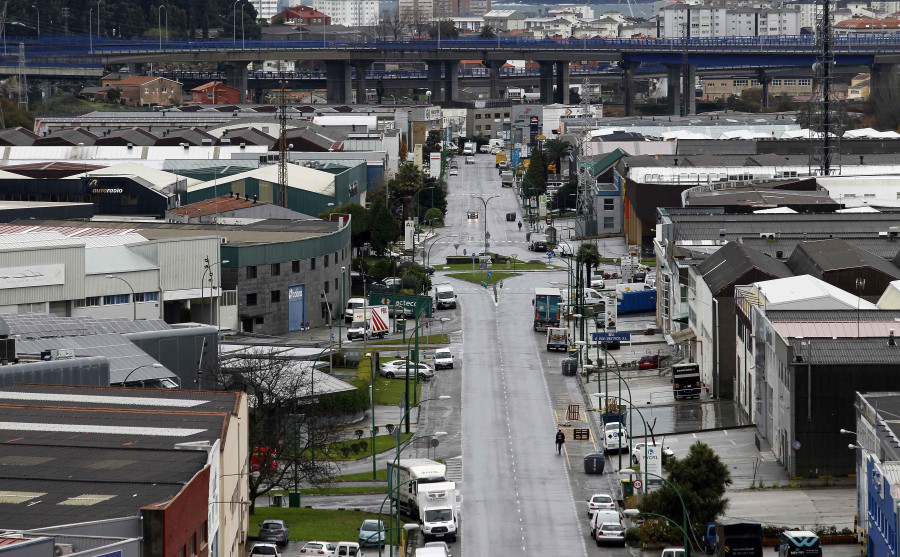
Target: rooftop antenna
{"points": [[282, 145], [824, 113]]}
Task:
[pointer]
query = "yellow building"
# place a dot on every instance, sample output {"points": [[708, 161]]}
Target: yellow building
{"points": [[722, 88], [859, 87]]}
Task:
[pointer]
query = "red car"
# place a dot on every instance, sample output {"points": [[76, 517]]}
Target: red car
{"points": [[649, 362]]}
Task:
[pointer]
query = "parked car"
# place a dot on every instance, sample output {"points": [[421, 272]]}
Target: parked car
{"points": [[610, 533], [318, 548], [597, 282], [650, 361], [273, 530], [600, 501], [604, 516], [372, 532], [397, 368], [346, 549], [673, 552], [637, 452], [265, 550]]}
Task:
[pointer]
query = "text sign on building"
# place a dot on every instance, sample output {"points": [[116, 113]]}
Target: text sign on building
{"points": [[654, 466], [296, 307], [611, 337], [33, 275]]}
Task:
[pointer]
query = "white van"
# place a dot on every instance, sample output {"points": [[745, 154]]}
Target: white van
{"points": [[602, 517], [346, 549], [431, 552], [444, 296]]}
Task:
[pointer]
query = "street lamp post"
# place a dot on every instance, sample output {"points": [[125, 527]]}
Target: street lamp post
{"points": [[159, 21], [124, 381], [485, 203], [417, 313], [312, 381], [428, 253], [38, 21], [207, 267], [133, 301], [234, 21]]}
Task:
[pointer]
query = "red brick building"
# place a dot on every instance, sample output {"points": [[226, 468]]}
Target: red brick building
{"points": [[215, 92], [179, 527], [304, 15]]}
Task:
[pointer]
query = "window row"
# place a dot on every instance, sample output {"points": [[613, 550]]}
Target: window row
{"points": [[252, 271], [116, 299]]}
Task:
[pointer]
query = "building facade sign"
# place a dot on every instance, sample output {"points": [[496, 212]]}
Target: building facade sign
{"points": [[33, 275]]}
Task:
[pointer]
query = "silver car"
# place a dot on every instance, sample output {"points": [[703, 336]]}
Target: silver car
{"points": [[397, 368]]}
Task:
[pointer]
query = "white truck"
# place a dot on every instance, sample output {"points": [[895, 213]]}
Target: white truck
{"points": [[439, 511], [368, 322], [469, 148], [633, 287], [408, 475], [557, 338]]}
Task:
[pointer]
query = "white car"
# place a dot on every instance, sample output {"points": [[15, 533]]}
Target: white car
{"points": [[454, 171], [470, 159], [484, 148], [563, 250], [440, 545], [318, 548], [600, 501], [597, 282], [265, 550], [637, 452], [614, 437], [610, 533], [443, 358], [397, 368]]}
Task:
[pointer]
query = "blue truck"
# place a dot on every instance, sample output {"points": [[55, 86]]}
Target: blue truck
{"points": [[546, 308], [636, 301]]}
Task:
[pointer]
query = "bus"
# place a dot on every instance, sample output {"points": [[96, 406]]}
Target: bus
{"points": [[686, 381]]}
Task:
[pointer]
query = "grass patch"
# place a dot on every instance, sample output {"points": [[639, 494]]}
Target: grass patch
{"points": [[388, 392], [343, 490], [519, 266], [314, 524], [439, 338], [380, 476], [477, 276], [336, 452]]}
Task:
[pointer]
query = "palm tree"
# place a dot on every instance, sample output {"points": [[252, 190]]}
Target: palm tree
{"points": [[556, 149], [587, 257], [487, 32]]}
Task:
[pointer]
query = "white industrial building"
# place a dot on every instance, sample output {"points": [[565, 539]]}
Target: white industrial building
{"points": [[679, 20], [108, 272], [350, 13]]}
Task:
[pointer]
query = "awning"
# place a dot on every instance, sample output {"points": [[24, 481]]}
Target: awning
{"points": [[680, 318], [681, 336]]}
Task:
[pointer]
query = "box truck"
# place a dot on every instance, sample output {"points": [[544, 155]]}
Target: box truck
{"points": [[368, 322], [438, 511], [408, 475]]}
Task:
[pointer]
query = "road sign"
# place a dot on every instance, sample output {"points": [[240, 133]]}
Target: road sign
{"points": [[490, 274], [638, 484], [473, 255], [795, 445], [611, 337], [332, 337], [549, 255], [549, 219]]}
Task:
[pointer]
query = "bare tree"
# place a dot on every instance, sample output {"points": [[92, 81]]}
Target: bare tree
{"points": [[288, 437], [392, 27]]}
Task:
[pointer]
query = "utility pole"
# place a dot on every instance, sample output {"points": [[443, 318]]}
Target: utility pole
{"points": [[65, 15], [23, 88]]}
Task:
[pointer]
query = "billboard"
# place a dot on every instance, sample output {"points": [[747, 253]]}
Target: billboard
{"points": [[421, 304], [296, 307]]}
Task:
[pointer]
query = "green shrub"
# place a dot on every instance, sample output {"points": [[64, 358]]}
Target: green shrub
{"points": [[633, 537], [353, 401]]}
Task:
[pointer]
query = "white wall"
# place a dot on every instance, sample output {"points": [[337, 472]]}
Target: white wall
{"points": [[702, 321]]}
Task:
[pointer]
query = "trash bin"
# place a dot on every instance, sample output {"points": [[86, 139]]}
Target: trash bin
{"points": [[569, 366], [627, 488], [276, 500], [401, 324], [594, 463], [294, 499]]}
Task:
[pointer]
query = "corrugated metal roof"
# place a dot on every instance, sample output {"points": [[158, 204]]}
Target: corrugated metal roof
{"points": [[115, 259], [157, 179], [123, 355], [846, 351], [792, 291], [299, 177], [831, 329], [733, 261], [819, 257]]}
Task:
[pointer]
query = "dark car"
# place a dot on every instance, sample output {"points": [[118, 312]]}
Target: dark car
{"points": [[510, 217], [273, 530]]}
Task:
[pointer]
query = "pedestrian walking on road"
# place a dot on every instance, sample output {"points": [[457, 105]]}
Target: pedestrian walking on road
{"points": [[560, 439], [520, 225]]}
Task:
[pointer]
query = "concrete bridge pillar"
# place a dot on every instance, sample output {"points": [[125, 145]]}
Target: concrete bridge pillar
{"points": [[562, 82], [236, 76], [546, 82], [689, 89], [494, 68], [360, 82], [880, 78], [434, 80], [628, 91], [451, 81], [765, 80], [673, 88], [337, 81]]}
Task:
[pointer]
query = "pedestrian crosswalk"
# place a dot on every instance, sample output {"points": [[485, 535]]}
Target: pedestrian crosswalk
{"points": [[454, 469]]}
